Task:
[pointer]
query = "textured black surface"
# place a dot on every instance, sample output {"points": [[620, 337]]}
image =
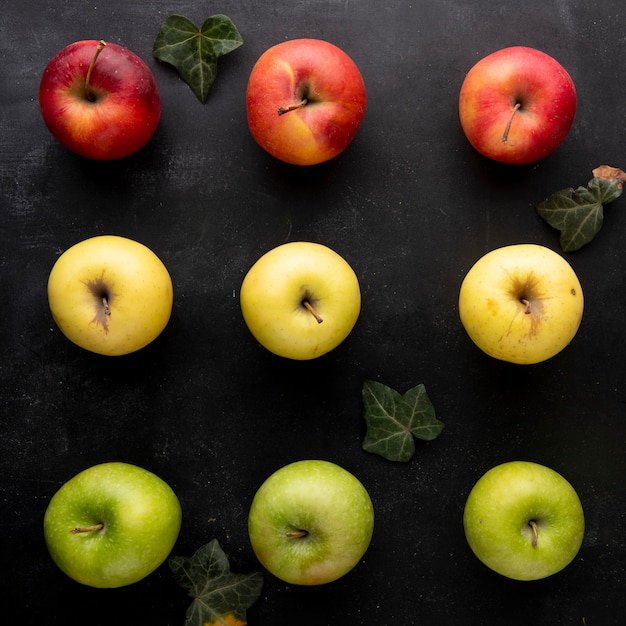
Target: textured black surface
{"points": [[411, 206]]}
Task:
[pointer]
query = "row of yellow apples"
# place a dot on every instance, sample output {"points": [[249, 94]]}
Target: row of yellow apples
{"points": [[111, 295]]}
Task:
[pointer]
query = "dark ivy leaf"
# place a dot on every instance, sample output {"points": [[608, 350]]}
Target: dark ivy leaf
{"points": [[579, 213], [220, 598], [194, 52], [393, 420]]}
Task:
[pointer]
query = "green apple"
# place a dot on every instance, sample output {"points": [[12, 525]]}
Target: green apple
{"points": [[110, 295], [521, 303], [310, 522], [524, 520], [300, 300], [112, 524]]}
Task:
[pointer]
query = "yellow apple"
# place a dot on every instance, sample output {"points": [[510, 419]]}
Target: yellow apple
{"points": [[521, 303], [110, 295], [300, 300]]}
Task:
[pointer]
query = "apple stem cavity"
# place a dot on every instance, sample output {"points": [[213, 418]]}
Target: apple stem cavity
{"points": [[87, 529], [89, 94], [103, 297], [526, 303], [516, 108], [309, 307], [535, 528], [292, 107], [297, 534]]}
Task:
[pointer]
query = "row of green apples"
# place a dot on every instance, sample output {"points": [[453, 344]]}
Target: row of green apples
{"points": [[111, 295], [309, 523]]}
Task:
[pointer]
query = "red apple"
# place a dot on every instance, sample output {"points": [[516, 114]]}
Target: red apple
{"points": [[517, 105], [99, 100], [305, 101]]}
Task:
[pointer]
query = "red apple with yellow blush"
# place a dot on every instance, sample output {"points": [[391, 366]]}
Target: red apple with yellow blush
{"points": [[305, 101]]}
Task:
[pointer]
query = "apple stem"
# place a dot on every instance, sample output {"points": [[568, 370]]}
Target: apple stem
{"points": [[87, 529], [535, 528], [105, 305], [99, 49], [292, 107], [505, 136], [526, 303], [297, 533], [307, 305]]}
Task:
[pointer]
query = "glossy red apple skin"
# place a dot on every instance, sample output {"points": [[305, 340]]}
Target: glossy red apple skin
{"points": [[336, 101], [119, 117], [490, 91]]}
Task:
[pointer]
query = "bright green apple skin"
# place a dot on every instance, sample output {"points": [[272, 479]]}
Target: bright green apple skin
{"points": [[141, 518], [273, 291], [521, 303], [135, 282], [327, 502], [498, 514]]}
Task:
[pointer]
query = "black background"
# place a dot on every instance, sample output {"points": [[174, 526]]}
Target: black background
{"points": [[411, 206]]}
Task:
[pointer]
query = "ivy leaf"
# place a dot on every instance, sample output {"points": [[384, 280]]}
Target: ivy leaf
{"points": [[221, 598], [393, 420], [194, 52], [579, 213]]}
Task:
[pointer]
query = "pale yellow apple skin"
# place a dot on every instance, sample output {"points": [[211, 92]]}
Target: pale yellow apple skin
{"points": [[275, 286], [138, 288], [497, 320]]}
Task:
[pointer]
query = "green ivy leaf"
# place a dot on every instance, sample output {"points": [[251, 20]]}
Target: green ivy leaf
{"points": [[194, 52], [221, 598], [393, 420], [579, 213]]}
